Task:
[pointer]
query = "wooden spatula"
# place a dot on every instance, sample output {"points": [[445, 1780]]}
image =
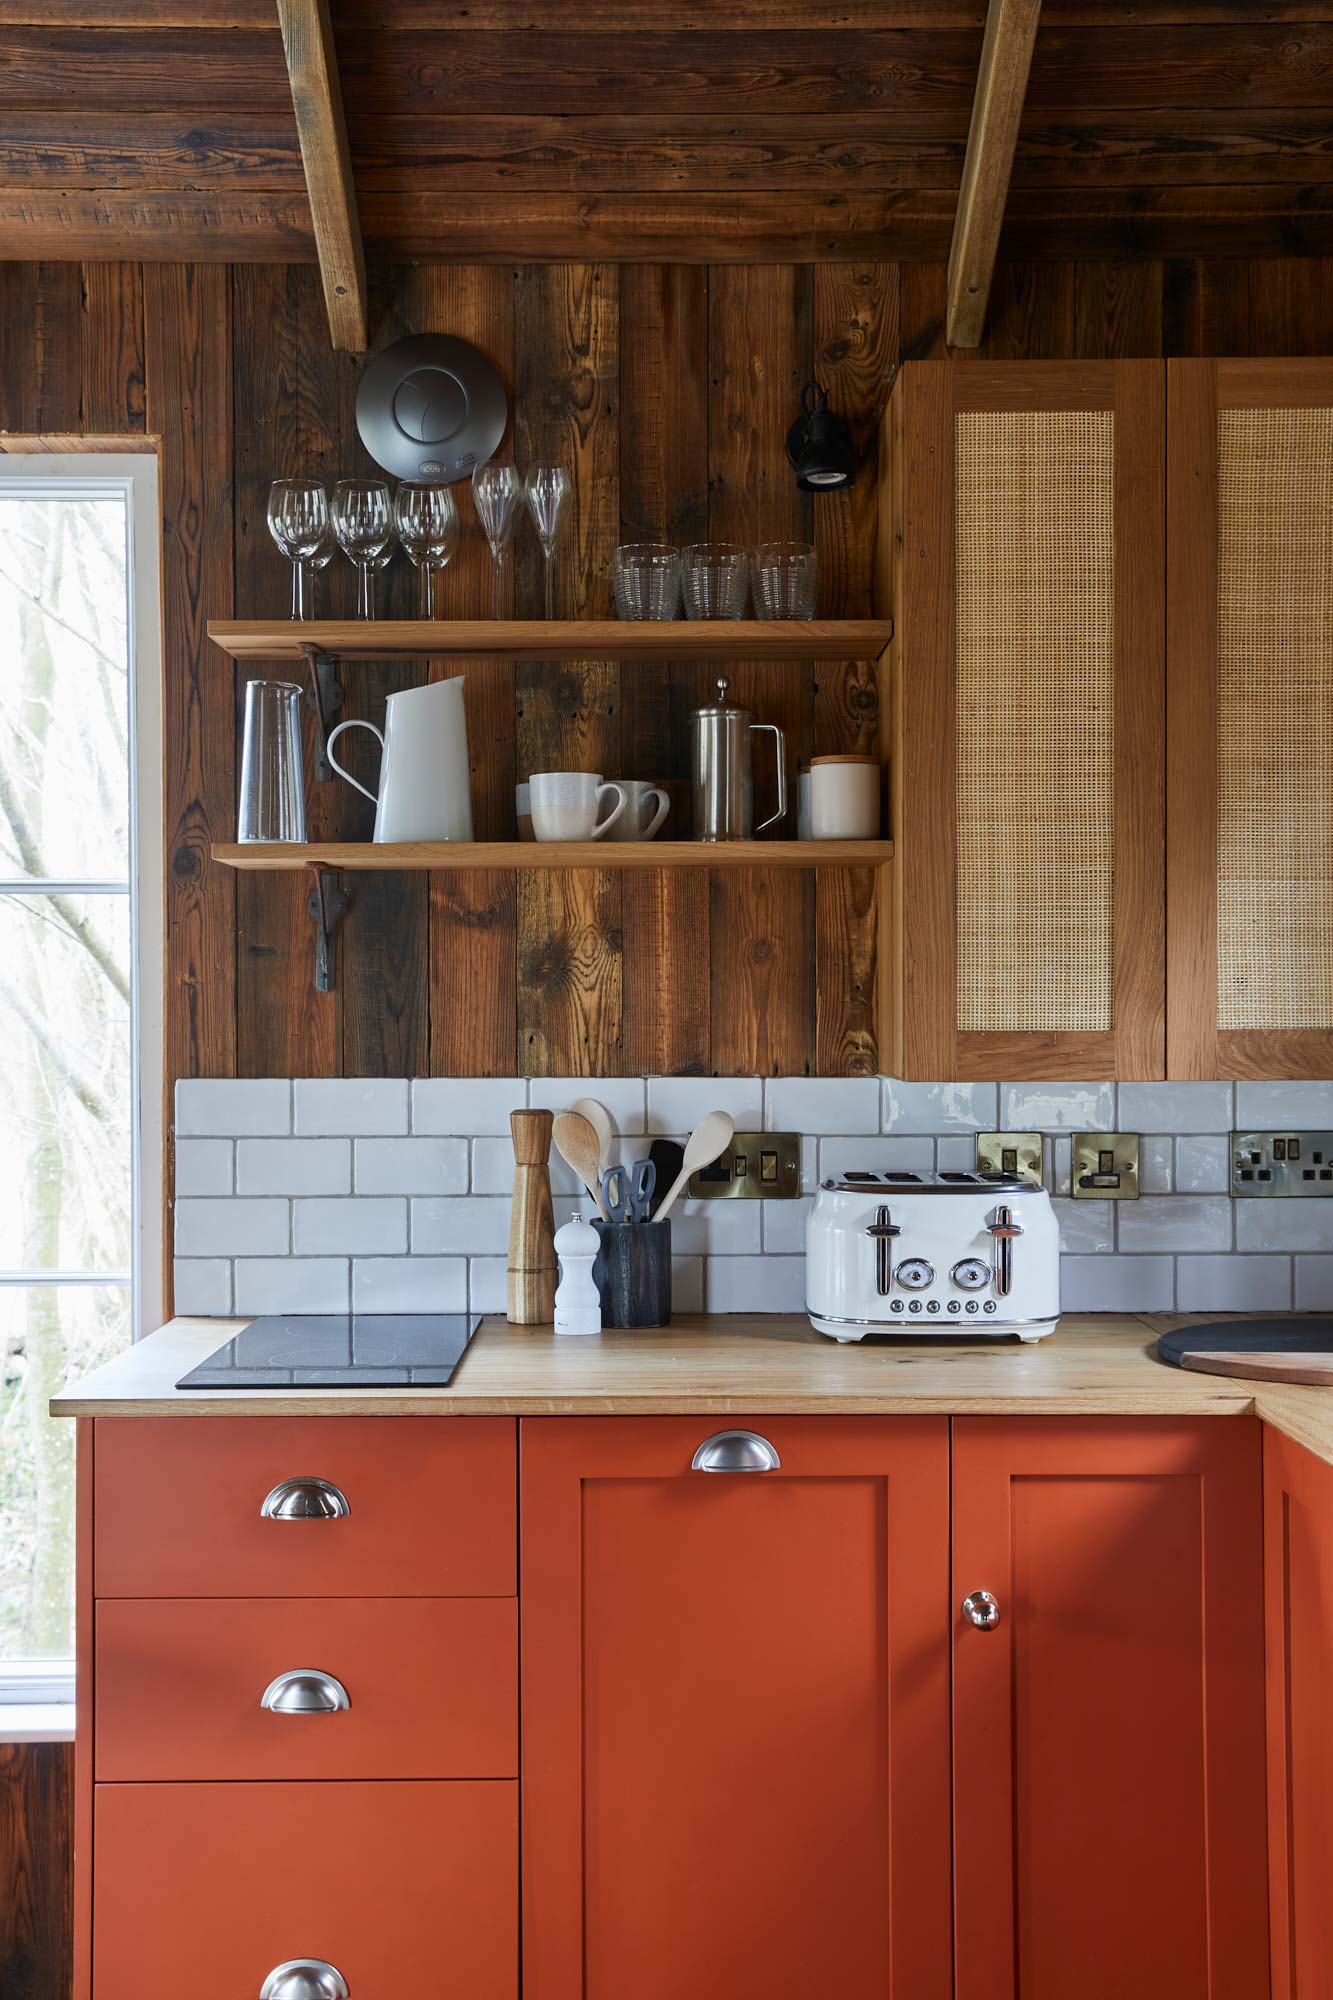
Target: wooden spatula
{"points": [[576, 1142]]}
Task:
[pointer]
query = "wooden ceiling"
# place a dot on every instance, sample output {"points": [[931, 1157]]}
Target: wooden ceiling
{"points": [[757, 130]]}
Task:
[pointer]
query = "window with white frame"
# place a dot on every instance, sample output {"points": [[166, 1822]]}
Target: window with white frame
{"points": [[80, 996]]}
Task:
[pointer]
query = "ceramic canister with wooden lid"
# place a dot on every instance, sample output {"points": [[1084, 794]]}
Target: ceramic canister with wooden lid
{"points": [[845, 797]]}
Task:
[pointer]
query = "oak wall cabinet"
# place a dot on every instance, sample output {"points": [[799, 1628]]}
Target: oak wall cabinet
{"points": [[1111, 694]]}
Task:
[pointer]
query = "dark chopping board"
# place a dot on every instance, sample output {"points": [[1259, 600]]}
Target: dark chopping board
{"points": [[1261, 1350]]}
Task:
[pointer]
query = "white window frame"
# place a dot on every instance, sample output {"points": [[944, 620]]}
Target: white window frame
{"points": [[134, 474]]}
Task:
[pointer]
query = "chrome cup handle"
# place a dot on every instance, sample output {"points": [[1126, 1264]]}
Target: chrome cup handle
{"points": [[305, 1691], [736, 1451], [305, 1500], [305, 1979]]}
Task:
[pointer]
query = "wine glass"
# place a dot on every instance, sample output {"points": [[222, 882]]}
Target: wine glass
{"points": [[548, 492], [298, 520], [496, 492], [363, 523], [427, 523]]}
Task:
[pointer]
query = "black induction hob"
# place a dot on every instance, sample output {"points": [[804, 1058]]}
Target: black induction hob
{"points": [[340, 1351]]}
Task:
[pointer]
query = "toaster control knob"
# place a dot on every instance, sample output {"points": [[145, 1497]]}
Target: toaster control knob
{"points": [[915, 1273], [972, 1274]]}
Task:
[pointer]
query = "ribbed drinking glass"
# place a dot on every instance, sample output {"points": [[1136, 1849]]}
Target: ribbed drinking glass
{"points": [[645, 580]]}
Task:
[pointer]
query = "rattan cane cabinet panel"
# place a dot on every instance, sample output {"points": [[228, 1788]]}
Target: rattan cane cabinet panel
{"points": [[1275, 718], [1035, 560]]}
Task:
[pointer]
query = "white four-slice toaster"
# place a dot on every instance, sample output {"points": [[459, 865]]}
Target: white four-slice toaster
{"points": [[960, 1253]]}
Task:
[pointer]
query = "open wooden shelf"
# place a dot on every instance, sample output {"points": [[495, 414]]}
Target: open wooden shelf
{"points": [[363, 856], [563, 639]]}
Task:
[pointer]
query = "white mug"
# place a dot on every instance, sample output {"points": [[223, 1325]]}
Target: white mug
{"points": [[844, 797], [639, 798], [424, 790], [565, 805]]}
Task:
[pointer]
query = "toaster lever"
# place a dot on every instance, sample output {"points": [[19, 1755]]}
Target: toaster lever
{"points": [[1004, 1229], [883, 1230]]}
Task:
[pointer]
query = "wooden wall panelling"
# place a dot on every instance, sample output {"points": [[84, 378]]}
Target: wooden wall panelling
{"points": [[1205, 307], [569, 924], [473, 997], [111, 396], [856, 355], [286, 404], [664, 497], [1032, 313], [384, 977], [36, 1915], [760, 351], [1117, 310]]}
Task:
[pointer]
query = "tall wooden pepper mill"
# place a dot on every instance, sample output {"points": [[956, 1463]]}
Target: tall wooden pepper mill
{"points": [[532, 1266]]}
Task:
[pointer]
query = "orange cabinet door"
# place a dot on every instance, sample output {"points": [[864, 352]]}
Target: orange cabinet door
{"points": [[431, 1685], [735, 1712], [405, 1890], [1108, 1732], [1298, 1572]]}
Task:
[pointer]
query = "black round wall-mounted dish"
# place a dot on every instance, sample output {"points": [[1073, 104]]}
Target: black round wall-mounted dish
{"points": [[431, 407]]}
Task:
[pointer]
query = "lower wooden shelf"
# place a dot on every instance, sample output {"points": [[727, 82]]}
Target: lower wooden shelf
{"points": [[364, 856]]}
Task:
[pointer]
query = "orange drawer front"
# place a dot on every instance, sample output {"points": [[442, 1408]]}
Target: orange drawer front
{"points": [[431, 1686], [430, 1500], [404, 1889]]}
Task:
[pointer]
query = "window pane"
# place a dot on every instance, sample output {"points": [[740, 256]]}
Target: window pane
{"points": [[64, 692], [48, 1336], [65, 1083]]}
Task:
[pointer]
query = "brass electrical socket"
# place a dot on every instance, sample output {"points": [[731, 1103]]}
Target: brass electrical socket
{"points": [[1105, 1166], [1010, 1153], [757, 1166]]}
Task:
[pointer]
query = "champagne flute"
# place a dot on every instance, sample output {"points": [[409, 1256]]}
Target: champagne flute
{"points": [[298, 520], [427, 523], [496, 492], [363, 523], [548, 492]]}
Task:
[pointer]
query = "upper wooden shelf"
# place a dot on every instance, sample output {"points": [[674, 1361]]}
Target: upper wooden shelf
{"points": [[563, 639], [367, 856]]}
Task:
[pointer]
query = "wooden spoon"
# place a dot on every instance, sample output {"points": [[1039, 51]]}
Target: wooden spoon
{"points": [[576, 1142], [710, 1137], [600, 1119]]}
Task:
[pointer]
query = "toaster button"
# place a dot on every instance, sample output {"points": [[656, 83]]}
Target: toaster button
{"points": [[895, 1306], [989, 1306], [915, 1306], [971, 1306], [933, 1306], [954, 1306]]}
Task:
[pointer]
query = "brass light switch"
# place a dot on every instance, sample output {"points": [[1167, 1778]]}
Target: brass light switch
{"points": [[1105, 1166], [757, 1166], [1010, 1153]]}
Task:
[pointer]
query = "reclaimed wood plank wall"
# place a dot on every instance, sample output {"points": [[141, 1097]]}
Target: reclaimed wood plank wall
{"points": [[667, 389]]}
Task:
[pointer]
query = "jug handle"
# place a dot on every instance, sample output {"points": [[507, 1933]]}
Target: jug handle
{"points": [[334, 734], [780, 757]]}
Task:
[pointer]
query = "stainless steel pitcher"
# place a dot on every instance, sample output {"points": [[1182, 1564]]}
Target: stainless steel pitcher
{"points": [[722, 770]]}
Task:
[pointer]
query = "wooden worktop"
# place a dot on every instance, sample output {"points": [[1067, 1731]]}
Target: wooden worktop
{"points": [[1094, 1365]]}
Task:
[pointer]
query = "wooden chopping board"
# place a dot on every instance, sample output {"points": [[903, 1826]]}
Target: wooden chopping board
{"points": [[1264, 1350]]}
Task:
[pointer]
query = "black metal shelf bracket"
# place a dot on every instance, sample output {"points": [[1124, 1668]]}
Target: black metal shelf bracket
{"points": [[325, 696], [328, 905]]}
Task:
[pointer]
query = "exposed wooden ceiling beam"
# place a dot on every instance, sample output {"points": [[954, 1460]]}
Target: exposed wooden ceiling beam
{"points": [[312, 64], [1002, 81]]}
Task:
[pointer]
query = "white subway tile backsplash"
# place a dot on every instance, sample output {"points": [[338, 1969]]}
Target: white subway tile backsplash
{"points": [[292, 1285], [677, 1103], [716, 1228], [956, 1156], [1269, 1107], [232, 1107], [294, 1166], [472, 1224], [1057, 1156], [625, 1097], [205, 1166], [1156, 1164], [1314, 1283], [1055, 1107], [1202, 1165], [754, 1284], [784, 1224], [885, 1155], [1117, 1284], [1175, 1222], [939, 1107], [821, 1104], [493, 1169], [409, 1284], [411, 1166], [464, 1106], [1085, 1226], [1233, 1284], [488, 1284], [687, 1284], [355, 1226], [1290, 1224], [809, 1164], [347, 1106], [202, 1285], [1175, 1107], [232, 1228]]}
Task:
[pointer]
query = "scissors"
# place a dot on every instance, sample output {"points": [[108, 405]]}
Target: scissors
{"points": [[627, 1191]]}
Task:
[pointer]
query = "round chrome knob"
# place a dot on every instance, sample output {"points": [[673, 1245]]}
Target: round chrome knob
{"points": [[304, 1979], [982, 1609]]}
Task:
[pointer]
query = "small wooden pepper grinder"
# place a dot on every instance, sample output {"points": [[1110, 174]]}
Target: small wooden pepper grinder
{"points": [[531, 1288]]}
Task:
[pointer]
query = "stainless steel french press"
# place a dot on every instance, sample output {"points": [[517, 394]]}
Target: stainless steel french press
{"points": [[722, 770]]}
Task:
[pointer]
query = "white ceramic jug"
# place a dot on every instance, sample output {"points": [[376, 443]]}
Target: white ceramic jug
{"points": [[424, 790]]}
